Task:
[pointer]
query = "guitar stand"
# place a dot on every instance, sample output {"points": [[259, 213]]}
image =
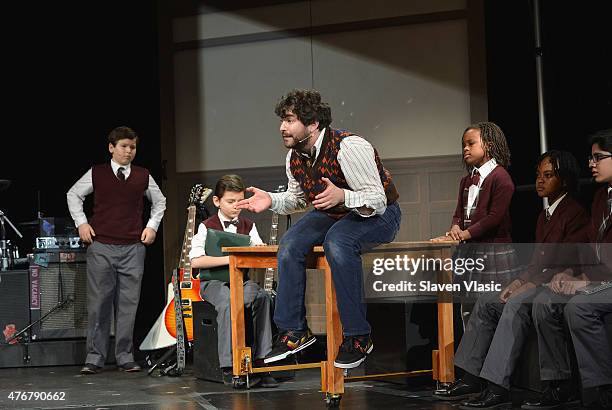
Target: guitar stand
{"points": [[166, 364]]}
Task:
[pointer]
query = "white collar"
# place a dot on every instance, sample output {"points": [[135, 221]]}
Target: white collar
{"points": [[551, 208], [115, 166], [485, 169], [223, 217]]}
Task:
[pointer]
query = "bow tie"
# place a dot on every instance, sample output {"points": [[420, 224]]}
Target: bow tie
{"points": [[228, 223]]}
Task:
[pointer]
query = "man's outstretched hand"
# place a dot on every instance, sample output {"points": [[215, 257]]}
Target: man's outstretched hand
{"points": [[259, 202]]}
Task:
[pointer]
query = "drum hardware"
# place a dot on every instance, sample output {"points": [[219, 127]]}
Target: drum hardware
{"points": [[5, 251]]}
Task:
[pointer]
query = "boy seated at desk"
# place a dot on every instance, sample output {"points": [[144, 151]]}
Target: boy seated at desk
{"points": [[228, 191]]}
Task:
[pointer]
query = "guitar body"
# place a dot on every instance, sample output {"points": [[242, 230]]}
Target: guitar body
{"points": [[190, 293]]}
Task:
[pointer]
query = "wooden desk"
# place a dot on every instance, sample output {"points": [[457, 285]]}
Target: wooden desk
{"points": [[332, 378]]}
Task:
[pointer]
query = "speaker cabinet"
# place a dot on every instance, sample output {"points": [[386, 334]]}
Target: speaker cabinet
{"points": [[205, 333], [60, 285], [205, 352], [14, 300]]}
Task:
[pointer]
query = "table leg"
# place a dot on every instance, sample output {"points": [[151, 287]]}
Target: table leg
{"points": [[446, 340], [237, 313], [334, 377]]}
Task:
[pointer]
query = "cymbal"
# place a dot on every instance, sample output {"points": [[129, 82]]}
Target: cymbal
{"points": [[4, 184]]}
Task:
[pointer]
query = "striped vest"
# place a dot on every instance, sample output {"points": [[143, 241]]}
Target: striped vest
{"points": [[326, 165]]}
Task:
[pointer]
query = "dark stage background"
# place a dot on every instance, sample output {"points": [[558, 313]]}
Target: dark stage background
{"points": [[76, 71]]}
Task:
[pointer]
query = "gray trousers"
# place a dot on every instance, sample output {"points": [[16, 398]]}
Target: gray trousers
{"points": [[217, 293], [494, 336], [114, 274], [584, 317]]}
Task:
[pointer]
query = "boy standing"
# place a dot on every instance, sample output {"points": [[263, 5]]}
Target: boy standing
{"points": [[116, 251]]}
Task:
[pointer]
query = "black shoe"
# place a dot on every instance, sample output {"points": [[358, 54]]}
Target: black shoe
{"points": [[551, 398], [90, 369], [353, 351], [488, 399], [129, 367], [289, 342], [458, 390]]}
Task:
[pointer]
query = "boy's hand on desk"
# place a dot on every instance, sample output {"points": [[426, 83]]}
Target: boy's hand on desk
{"points": [[259, 202], [454, 233]]}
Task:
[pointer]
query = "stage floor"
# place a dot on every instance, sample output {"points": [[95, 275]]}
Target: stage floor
{"points": [[113, 389]]}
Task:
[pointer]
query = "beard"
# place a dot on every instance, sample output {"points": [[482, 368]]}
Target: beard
{"points": [[295, 142]]}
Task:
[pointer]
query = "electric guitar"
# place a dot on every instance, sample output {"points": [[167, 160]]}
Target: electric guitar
{"points": [[269, 283], [164, 331]]}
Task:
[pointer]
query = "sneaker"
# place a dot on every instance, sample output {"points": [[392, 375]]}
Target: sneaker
{"points": [[129, 367], [353, 351], [90, 368], [289, 342]]}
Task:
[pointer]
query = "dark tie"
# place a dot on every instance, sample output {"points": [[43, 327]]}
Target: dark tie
{"points": [[120, 174], [311, 158], [548, 215], [228, 223], [475, 177]]}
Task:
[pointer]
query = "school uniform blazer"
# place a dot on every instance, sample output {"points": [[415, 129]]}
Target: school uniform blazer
{"points": [[602, 271], [556, 239], [491, 218]]}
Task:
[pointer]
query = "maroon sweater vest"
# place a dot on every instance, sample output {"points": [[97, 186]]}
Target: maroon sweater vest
{"points": [[244, 224], [326, 165], [118, 205]]}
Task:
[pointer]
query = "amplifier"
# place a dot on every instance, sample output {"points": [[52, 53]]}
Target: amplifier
{"points": [[58, 242], [55, 279], [14, 300]]}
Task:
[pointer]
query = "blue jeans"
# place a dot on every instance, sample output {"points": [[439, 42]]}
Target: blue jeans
{"points": [[343, 240]]}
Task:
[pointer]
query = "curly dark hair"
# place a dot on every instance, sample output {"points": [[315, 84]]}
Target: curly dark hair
{"points": [[233, 183], [565, 166], [306, 105], [121, 133], [494, 142]]}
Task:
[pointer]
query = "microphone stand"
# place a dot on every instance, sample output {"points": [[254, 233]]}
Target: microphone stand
{"points": [[4, 251], [59, 305]]}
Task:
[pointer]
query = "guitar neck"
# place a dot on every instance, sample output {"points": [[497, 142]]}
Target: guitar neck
{"points": [[269, 277], [185, 263]]}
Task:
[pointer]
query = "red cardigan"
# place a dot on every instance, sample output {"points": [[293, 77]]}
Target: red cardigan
{"points": [[491, 218]]}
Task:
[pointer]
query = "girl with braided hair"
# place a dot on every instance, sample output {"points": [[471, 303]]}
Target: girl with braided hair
{"points": [[482, 216]]}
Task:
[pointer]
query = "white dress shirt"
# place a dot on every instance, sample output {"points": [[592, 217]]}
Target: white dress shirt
{"points": [[483, 171], [358, 164], [198, 241], [84, 186]]}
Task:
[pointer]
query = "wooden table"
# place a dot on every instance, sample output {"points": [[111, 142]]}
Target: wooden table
{"points": [[332, 378]]}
